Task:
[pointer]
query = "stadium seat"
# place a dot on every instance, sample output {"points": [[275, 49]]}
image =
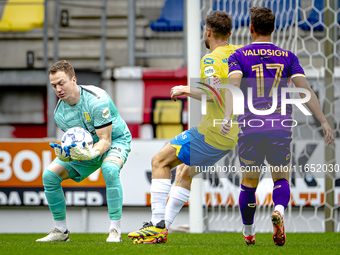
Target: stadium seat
{"points": [[168, 131], [284, 11], [159, 110], [314, 17], [167, 117], [157, 84], [22, 15], [167, 111], [171, 18], [239, 12]]}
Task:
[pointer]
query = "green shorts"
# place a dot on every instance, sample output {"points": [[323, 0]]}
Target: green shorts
{"points": [[119, 148]]}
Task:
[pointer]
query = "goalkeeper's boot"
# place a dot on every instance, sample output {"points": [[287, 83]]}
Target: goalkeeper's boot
{"points": [[250, 240], [114, 236], [279, 235], [150, 234], [56, 235]]}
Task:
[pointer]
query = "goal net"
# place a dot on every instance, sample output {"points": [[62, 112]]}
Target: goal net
{"points": [[309, 29]]}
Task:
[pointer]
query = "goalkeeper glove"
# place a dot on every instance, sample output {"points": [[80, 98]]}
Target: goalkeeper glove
{"points": [[79, 153], [60, 153]]}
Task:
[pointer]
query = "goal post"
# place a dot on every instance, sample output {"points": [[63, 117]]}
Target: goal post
{"points": [[330, 17], [193, 21]]}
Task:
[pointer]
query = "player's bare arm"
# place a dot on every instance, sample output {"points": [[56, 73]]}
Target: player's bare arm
{"points": [[191, 92], [104, 135], [225, 126], [234, 79], [314, 106]]}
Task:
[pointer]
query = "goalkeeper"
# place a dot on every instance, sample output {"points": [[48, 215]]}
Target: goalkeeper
{"points": [[200, 146], [92, 109]]}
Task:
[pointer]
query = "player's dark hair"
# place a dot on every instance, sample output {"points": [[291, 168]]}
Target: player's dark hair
{"points": [[262, 19], [220, 24], [64, 66]]}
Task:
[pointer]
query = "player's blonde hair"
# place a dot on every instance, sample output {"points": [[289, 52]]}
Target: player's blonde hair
{"points": [[220, 24], [64, 66], [262, 19]]}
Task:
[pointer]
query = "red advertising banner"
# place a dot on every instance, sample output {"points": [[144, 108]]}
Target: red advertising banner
{"points": [[23, 163]]}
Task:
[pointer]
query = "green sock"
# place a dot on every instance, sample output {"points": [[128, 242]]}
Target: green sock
{"points": [[114, 191], [54, 195]]}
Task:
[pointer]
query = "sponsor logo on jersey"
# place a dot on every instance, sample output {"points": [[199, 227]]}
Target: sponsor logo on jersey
{"points": [[252, 205], [87, 116], [208, 61], [264, 52], [225, 60], [106, 113], [209, 70], [117, 149], [213, 81]]}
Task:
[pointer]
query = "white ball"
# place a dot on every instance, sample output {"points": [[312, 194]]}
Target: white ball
{"points": [[77, 135]]}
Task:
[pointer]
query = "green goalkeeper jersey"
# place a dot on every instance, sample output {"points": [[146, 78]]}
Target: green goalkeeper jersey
{"points": [[94, 110]]}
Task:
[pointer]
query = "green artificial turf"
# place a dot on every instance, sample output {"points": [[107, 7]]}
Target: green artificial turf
{"points": [[208, 243]]}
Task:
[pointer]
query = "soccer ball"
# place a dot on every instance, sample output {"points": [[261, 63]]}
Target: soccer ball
{"points": [[77, 135]]}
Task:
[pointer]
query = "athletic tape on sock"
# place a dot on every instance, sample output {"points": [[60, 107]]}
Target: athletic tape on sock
{"points": [[177, 198], [180, 193], [160, 185]]}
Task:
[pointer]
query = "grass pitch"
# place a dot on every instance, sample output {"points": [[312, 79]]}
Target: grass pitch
{"points": [[209, 243]]}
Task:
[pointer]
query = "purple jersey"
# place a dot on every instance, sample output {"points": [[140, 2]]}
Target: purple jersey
{"points": [[264, 66]]}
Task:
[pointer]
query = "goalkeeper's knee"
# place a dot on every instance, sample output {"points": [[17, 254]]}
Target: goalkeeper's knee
{"points": [[51, 180], [110, 171]]}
